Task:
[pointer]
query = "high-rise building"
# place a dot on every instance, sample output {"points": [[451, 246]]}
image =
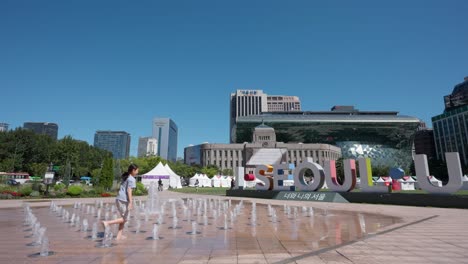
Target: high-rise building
{"points": [[458, 97], [44, 128], [424, 142], [117, 142], [147, 146], [3, 127], [283, 103], [166, 132], [384, 136], [256, 102], [451, 127]]}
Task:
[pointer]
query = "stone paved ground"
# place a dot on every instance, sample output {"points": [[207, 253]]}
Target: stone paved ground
{"points": [[393, 234]]}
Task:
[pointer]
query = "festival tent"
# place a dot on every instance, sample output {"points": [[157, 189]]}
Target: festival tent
{"points": [[158, 172], [465, 182], [205, 181], [194, 179], [174, 180], [407, 183], [226, 182], [380, 182], [216, 181], [435, 181]]}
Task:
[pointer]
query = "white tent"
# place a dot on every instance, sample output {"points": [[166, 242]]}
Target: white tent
{"points": [[205, 181], [407, 183], [380, 182], [194, 179], [216, 181], [435, 181], [158, 172], [465, 182], [225, 182], [174, 180]]}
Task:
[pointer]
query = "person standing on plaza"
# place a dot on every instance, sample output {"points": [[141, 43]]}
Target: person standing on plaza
{"points": [[233, 183], [124, 199], [160, 185], [196, 184]]}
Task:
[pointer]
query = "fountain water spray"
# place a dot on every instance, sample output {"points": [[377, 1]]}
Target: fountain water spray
{"points": [[72, 220], [78, 223], [44, 247], [94, 231], [84, 227]]}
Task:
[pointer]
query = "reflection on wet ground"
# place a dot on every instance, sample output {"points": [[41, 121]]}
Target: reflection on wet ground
{"points": [[224, 229]]}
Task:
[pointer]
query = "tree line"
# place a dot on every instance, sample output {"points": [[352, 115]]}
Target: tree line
{"points": [[22, 150]]}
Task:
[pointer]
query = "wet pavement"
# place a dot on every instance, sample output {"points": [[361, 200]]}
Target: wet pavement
{"points": [[304, 232]]}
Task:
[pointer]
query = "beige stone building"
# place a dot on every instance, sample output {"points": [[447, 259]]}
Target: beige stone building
{"points": [[230, 156]]}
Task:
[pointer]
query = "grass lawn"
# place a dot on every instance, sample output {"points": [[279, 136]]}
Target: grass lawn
{"points": [[211, 191]]}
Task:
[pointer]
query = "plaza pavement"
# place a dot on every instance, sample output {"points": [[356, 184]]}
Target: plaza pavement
{"points": [[421, 235]]}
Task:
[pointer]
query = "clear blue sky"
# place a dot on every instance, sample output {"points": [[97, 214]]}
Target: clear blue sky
{"points": [[97, 65]]}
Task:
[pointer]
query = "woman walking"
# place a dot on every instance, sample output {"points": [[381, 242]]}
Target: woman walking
{"points": [[124, 199]]}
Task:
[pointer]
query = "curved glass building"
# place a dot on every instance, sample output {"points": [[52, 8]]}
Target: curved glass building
{"points": [[385, 137]]}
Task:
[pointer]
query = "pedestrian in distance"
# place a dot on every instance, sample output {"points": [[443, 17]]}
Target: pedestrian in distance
{"points": [[160, 185], [196, 184]]}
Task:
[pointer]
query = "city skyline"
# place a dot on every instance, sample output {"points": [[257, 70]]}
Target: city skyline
{"points": [[128, 63]]}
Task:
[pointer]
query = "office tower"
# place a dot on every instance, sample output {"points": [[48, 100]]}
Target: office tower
{"points": [[451, 127], [147, 146], [44, 128], [117, 142], [165, 131]]}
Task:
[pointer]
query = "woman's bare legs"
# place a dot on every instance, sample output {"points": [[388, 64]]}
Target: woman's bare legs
{"points": [[121, 223]]}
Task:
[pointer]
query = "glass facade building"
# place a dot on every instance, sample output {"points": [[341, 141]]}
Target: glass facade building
{"points": [[451, 127], [165, 131], [44, 128], [450, 133], [117, 142], [385, 137]]}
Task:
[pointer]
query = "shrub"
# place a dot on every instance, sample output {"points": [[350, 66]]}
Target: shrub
{"points": [[35, 194], [141, 187], [26, 190], [5, 187], [74, 190], [98, 190], [138, 192], [59, 187], [36, 186], [11, 194]]}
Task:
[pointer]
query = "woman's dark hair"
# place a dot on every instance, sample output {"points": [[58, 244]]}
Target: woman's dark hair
{"points": [[131, 168]]}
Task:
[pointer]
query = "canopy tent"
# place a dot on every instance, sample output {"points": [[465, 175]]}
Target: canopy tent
{"points": [[158, 172], [194, 179], [174, 180], [226, 182], [465, 182], [216, 181], [435, 181], [205, 181], [407, 183], [380, 182]]}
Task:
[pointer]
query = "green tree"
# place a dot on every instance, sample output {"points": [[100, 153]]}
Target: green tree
{"points": [[107, 175], [37, 169], [228, 172], [67, 174]]}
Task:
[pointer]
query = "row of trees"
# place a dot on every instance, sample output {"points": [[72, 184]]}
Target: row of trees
{"points": [[23, 150]]}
